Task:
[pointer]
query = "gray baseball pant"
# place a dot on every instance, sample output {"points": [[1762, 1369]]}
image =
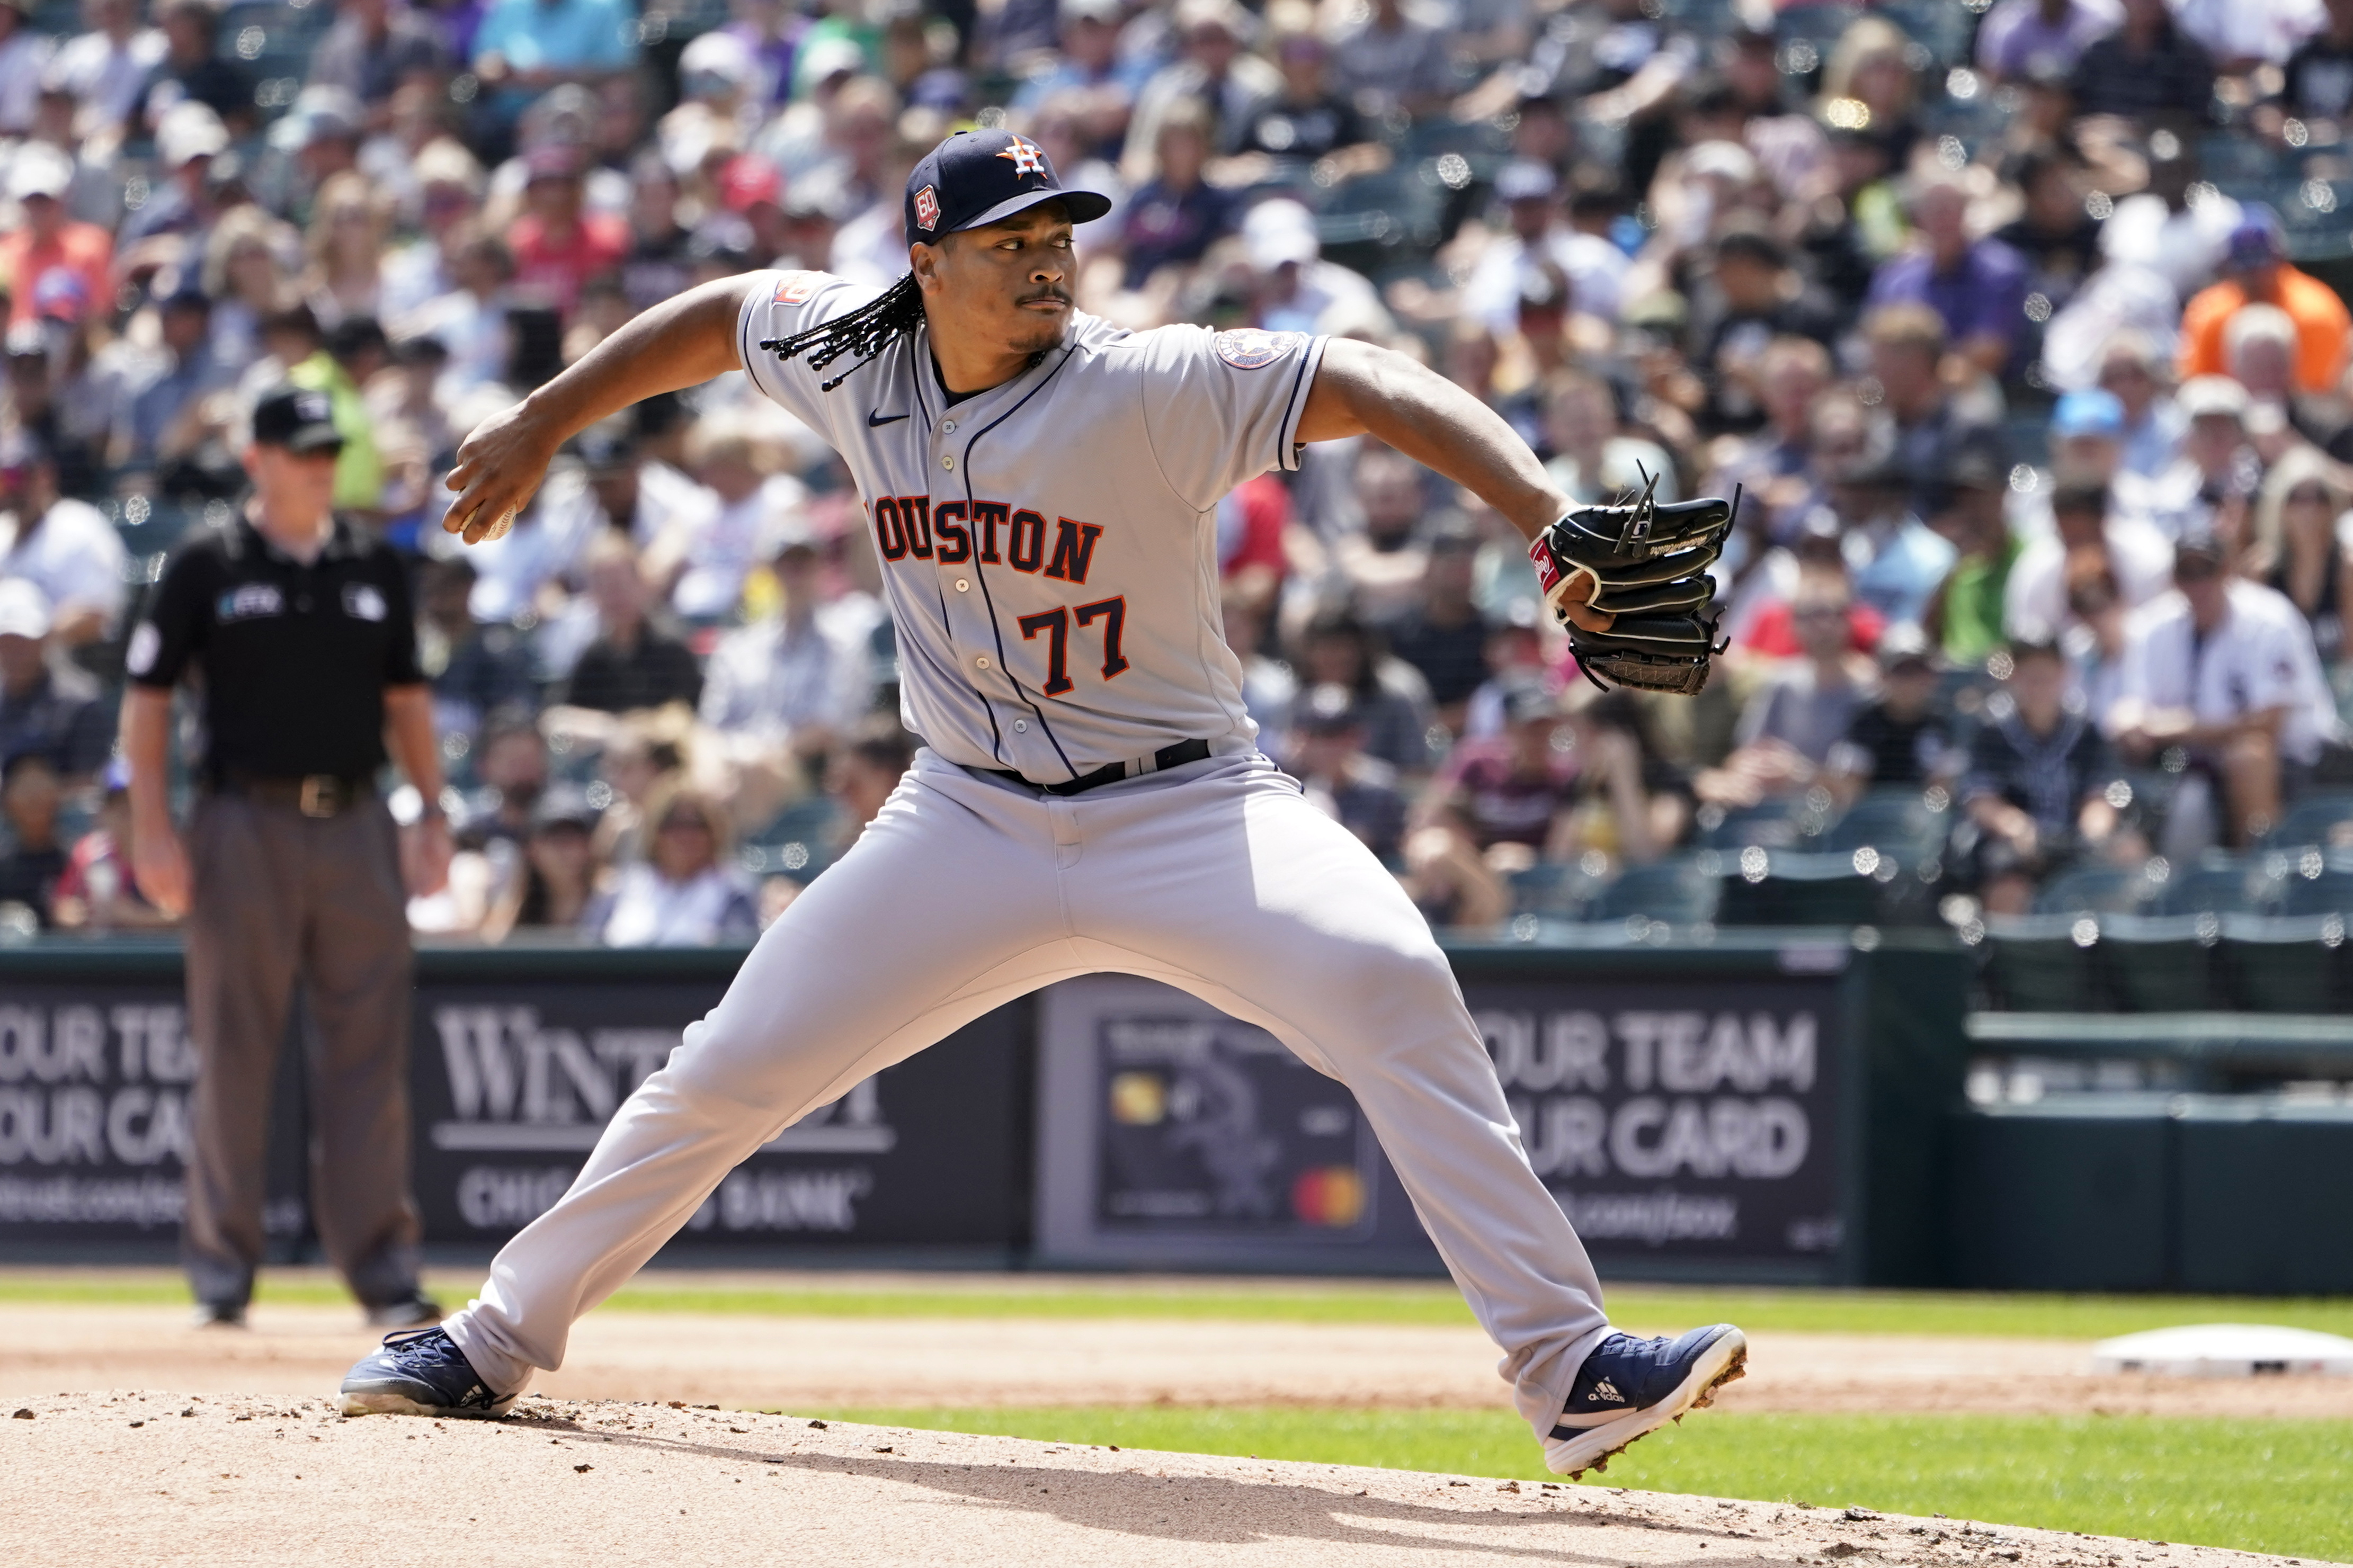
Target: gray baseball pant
{"points": [[966, 891], [280, 896]]}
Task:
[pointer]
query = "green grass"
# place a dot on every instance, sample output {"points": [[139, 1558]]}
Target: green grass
{"points": [[1650, 1309], [2263, 1485]]}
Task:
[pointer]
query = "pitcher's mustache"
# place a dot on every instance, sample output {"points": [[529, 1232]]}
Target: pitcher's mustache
{"points": [[1044, 294]]}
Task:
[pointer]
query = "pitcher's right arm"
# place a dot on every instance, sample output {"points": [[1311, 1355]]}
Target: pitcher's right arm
{"points": [[684, 341]]}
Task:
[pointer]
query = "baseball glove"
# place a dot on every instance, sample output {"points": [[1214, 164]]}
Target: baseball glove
{"points": [[1645, 564]]}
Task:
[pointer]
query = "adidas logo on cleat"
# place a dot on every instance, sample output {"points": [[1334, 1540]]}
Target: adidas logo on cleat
{"points": [[1606, 1390]]}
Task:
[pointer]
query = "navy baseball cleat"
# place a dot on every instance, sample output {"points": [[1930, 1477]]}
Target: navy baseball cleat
{"points": [[1629, 1388], [420, 1373]]}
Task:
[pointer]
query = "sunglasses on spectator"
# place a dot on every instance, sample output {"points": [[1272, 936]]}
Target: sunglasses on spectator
{"points": [[684, 824], [2309, 495], [2196, 569]]}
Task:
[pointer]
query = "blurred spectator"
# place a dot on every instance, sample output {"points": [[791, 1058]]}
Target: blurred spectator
{"points": [[2132, 371], [801, 675], [64, 547], [556, 882], [1751, 300], [1442, 634], [1317, 116], [684, 893], [2207, 484], [558, 246], [1806, 708], [107, 68], [24, 53], [511, 762], [374, 47], [1326, 754], [30, 797], [2036, 792], [345, 245], [1391, 702], [2019, 38], [2258, 271], [1977, 287], [1298, 290], [525, 47], [2146, 70], [1513, 789], [1928, 428], [1387, 59], [1902, 738], [471, 318], [188, 137], [1964, 618], [50, 708], [1212, 74], [476, 668], [1594, 462], [2303, 543], [2140, 560], [632, 663], [2226, 671], [50, 244], [1535, 232], [163, 418], [1383, 567], [192, 71], [701, 555], [98, 890], [2316, 86], [1174, 215]]}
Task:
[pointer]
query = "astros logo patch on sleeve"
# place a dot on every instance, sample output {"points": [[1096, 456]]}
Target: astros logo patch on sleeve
{"points": [[927, 209], [1254, 348], [795, 287]]}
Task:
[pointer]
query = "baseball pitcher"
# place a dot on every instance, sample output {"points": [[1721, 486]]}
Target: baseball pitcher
{"points": [[1043, 490]]}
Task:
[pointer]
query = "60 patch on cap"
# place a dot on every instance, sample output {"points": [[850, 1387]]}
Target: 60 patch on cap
{"points": [[978, 177]]}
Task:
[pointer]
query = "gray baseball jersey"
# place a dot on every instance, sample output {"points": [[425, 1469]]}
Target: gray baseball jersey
{"points": [[1048, 546]]}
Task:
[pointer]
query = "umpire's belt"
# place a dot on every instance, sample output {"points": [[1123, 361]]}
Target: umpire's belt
{"points": [[312, 795], [1167, 757]]}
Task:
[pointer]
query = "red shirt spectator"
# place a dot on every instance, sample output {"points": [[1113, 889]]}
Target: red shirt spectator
{"points": [[557, 247]]}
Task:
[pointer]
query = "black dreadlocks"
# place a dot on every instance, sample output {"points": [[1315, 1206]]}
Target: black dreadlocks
{"points": [[865, 332]]}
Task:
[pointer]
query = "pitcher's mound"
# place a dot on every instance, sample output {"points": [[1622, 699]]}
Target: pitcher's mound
{"points": [[145, 1478]]}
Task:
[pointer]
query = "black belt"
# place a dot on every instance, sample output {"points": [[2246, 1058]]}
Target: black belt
{"points": [[312, 795], [1167, 757]]}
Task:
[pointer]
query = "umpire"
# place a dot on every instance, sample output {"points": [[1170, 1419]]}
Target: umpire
{"points": [[294, 623]]}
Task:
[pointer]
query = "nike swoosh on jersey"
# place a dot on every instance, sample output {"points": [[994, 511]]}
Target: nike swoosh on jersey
{"points": [[875, 416]]}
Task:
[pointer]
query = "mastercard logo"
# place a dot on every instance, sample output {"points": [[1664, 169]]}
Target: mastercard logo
{"points": [[1331, 1195], [1139, 1098]]}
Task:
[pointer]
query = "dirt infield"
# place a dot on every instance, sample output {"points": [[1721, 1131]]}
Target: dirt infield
{"points": [[151, 1476], [743, 1360]]}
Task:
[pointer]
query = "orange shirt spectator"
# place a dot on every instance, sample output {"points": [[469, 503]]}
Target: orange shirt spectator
{"points": [[48, 239], [2260, 271]]}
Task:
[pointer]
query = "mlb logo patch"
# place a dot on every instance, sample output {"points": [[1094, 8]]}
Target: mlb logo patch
{"points": [[1253, 348], [795, 287], [927, 209]]}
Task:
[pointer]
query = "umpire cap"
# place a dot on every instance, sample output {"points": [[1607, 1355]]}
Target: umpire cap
{"points": [[297, 418], [978, 177]]}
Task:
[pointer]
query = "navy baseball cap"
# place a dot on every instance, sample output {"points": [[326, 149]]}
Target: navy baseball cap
{"points": [[978, 177], [297, 418]]}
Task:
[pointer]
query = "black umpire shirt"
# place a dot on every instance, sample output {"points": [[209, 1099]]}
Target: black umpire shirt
{"points": [[293, 659]]}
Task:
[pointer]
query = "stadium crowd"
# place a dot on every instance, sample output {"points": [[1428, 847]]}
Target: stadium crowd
{"points": [[2017, 325]]}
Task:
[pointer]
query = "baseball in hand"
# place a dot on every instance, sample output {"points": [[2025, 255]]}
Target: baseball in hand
{"points": [[499, 529]]}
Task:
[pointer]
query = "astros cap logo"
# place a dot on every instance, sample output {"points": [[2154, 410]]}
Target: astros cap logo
{"points": [[1028, 157], [927, 207]]}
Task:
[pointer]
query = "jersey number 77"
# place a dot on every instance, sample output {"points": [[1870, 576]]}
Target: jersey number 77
{"points": [[1056, 625]]}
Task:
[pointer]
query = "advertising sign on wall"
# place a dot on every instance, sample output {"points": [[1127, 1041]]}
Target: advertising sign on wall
{"points": [[511, 1083], [1695, 1121]]}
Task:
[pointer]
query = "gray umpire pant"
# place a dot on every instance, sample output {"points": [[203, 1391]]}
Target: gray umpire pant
{"points": [[280, 896]]}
